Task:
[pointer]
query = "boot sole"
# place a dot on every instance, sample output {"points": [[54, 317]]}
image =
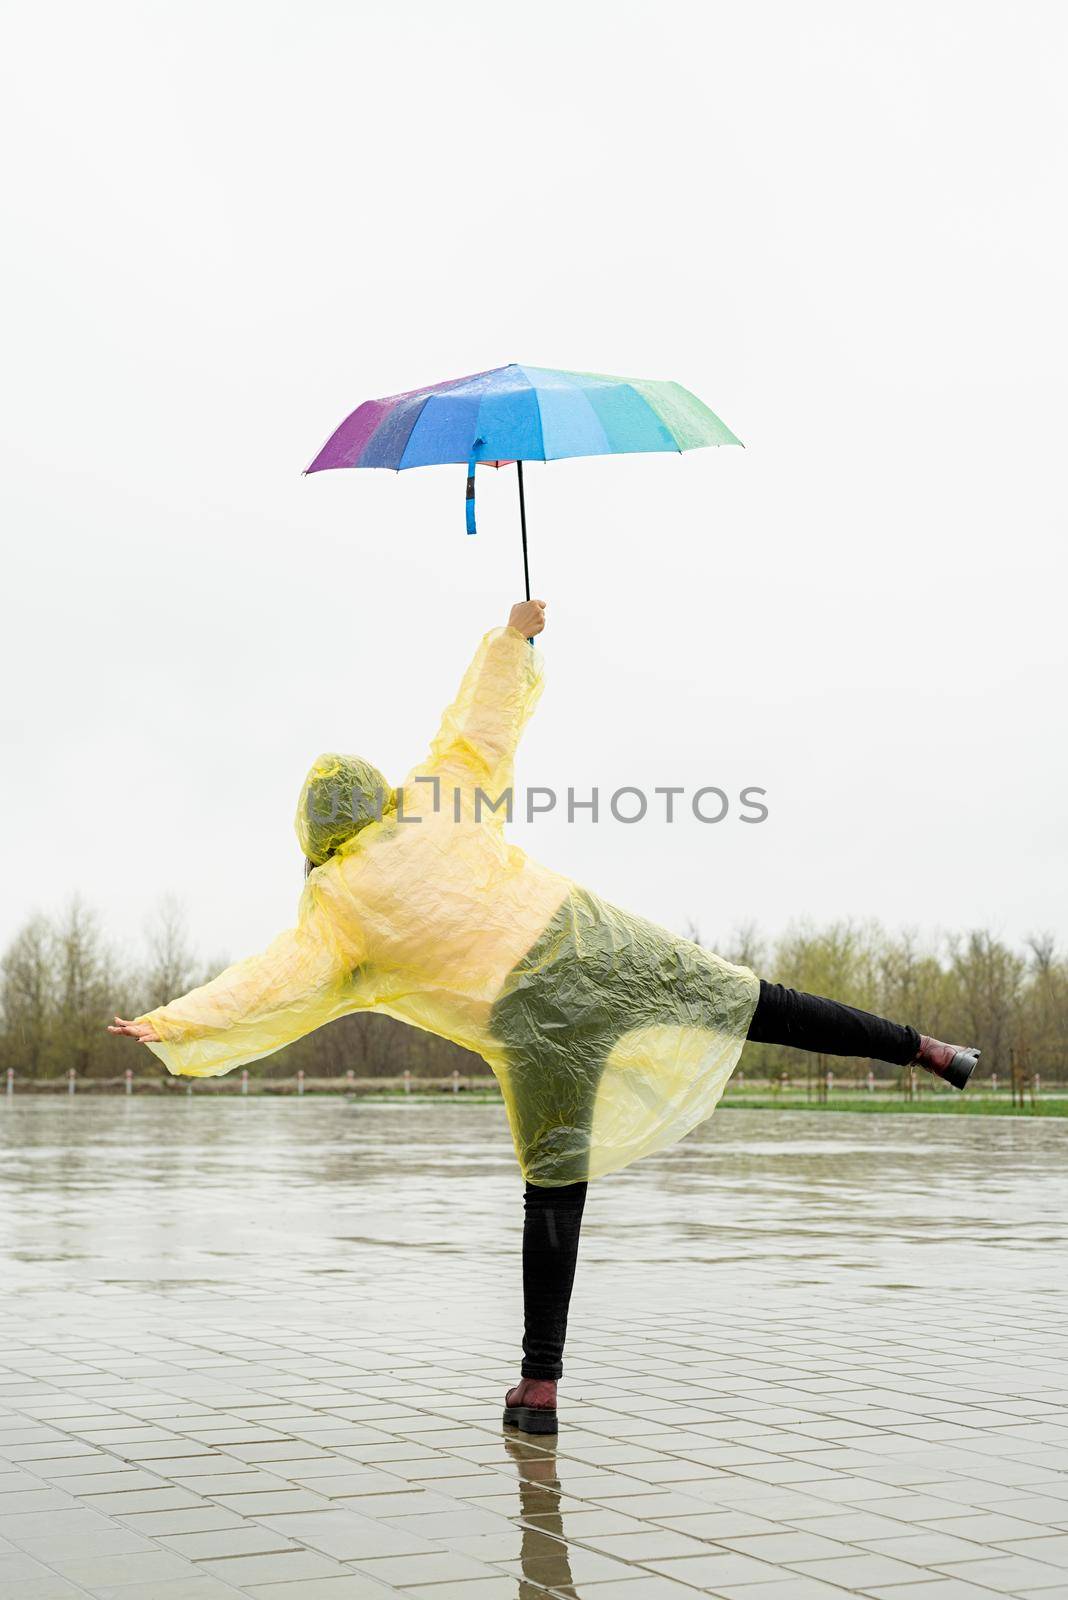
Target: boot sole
{"points": [[530, 1420], [961, 1069]]}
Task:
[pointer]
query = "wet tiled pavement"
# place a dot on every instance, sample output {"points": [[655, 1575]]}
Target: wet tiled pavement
{"points": [[259, 1348]]}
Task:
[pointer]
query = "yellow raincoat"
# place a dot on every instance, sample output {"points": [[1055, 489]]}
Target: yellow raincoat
{"points": [[609, 1037]]}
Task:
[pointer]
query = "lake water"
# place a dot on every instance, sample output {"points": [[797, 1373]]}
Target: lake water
{"points": [[111, 1190]]}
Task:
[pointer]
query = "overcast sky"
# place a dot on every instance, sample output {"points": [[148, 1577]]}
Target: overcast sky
{"points": [[840, 225]]}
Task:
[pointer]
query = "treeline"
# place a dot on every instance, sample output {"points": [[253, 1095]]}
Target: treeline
{"points": [[62, 980], [968, 988]]}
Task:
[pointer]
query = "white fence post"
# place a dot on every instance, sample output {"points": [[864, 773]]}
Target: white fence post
{"points": [[11, 1080], [244, 1080], [129, 1080], [300, 1081], [70, 1081], [871, 1080], [407, 1081], [455, 1081]]}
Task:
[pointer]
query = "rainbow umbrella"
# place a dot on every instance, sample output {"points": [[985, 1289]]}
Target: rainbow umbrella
{"points": [[518, 413]]}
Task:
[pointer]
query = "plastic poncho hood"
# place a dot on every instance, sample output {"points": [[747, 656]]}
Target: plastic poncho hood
{"points": [[341, 795]]}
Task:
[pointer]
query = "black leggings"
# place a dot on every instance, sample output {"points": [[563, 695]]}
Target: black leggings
{"points": [[553, 1217]]}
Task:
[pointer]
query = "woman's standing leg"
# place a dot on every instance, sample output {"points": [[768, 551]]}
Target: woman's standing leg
{"points": [[552, 1223]]}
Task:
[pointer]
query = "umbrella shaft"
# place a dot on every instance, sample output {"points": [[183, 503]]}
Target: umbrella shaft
{"points": [[523, 526]]}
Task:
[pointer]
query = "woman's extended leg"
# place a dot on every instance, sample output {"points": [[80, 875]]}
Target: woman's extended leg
{"points": [[828, 1027], [809, 1022], [552, 1222]]}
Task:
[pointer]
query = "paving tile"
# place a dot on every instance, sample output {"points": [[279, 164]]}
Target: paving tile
{"points": [[786, 1548], [21, 1502], [233, 1477], [1042, 1509], [167, 1498], [346, 1535], [429, 1567], [100, 1538], [851, 1527], [50, 1587], [791, 1588], [579, 1524], [21, 1575], [446, 1525], [405, 1502], [499, 1588], [80, 1466], [109, 1482], [654, 1506], [196, 1587], [910, 1507], [554, 1563], [927, 1549], [647, 1545], [935, 1589], [37, 1530], [514, 1543], [348, 1485], [861, 1571], [1053, 1549], [1008, 1574], [248, 1539], [715, 1568], [650, 1587], [146, 1567], [348, 1586], [273, 1502], [201, 1518], [283, 1566]]}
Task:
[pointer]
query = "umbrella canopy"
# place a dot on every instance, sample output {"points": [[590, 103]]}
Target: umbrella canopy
{"points": [[520, 413]]}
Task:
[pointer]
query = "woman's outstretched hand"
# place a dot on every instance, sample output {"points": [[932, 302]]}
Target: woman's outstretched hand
{"points": [[143, 1032], [528, 617]]}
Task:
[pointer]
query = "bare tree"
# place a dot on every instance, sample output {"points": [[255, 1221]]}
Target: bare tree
{"points": [[746, 946], [170, 969], [1047, 1007], [1043, 948], [989, 979], [27, 998], [85, 981]]}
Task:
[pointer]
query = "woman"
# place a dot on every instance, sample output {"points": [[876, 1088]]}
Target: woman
{"points": [[610, 1037]]}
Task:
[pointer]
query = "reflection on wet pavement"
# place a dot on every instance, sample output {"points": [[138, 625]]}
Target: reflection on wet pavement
{"points": [[259, 1347]]}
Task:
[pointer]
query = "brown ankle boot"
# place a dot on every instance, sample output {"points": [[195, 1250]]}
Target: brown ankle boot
{"points": [[954, 1063], [531, 1406]]}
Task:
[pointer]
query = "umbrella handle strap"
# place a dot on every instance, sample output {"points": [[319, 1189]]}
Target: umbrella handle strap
{"points": [[470, 507]]}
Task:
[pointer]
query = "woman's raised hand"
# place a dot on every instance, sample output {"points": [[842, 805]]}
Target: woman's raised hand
{"points": [[528, 617], [143, 1032]]}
